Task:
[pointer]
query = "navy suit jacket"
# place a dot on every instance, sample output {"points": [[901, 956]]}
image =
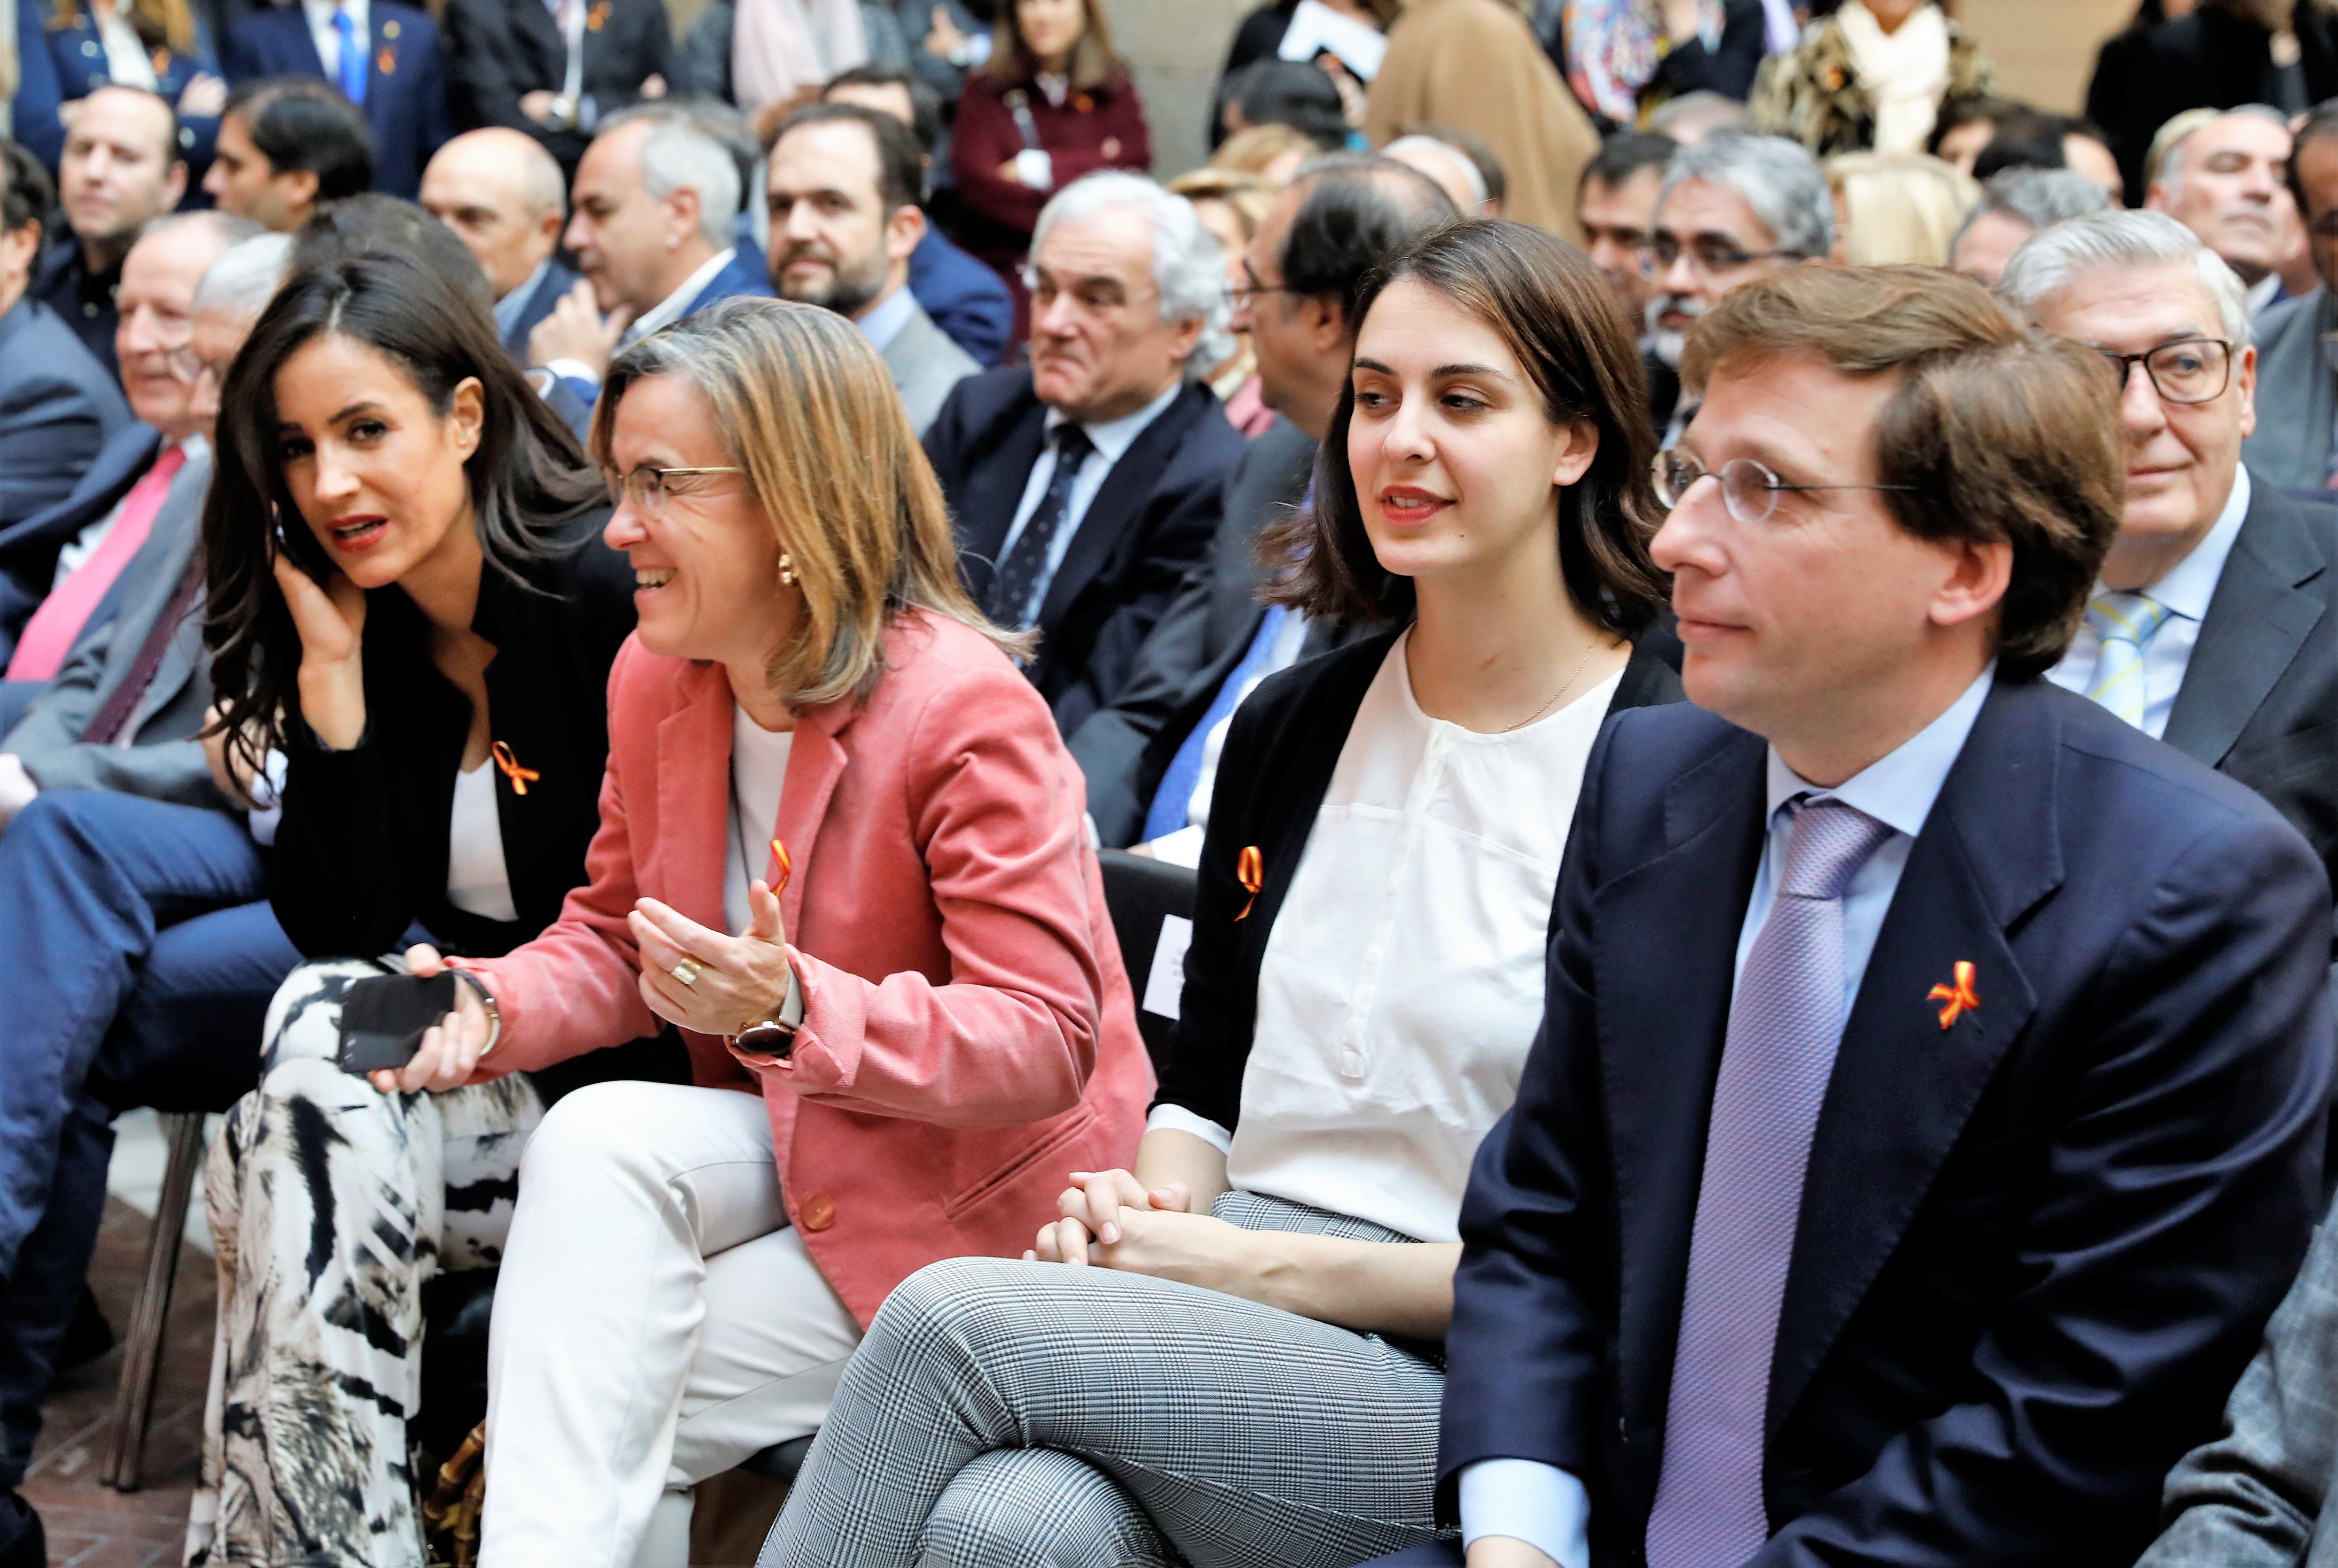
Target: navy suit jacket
{"points": [[28, 549], [554, 285], [740, 278], [1149, 524], [406, 80], [966, 299], [58, 409], [2036, 1246]]}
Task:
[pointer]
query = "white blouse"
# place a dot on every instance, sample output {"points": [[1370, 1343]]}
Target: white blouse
{"points": [[759, 772], [477, 882], [1403, 981]]}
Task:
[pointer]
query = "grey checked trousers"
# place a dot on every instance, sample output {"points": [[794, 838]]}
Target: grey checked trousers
{"points": [[1006, 1414]]}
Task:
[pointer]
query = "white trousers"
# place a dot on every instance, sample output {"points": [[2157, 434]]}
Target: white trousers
{"points": [[656, 1321]]}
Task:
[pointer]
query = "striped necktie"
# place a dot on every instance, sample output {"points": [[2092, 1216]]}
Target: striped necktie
{"points": [[2126, 623]]}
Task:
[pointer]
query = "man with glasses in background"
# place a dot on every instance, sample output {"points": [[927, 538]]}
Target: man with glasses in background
{"points": [[2213, 625], [1734, 207]]}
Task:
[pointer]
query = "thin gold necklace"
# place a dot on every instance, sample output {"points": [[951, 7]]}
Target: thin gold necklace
{"points": [[1588, 651]]}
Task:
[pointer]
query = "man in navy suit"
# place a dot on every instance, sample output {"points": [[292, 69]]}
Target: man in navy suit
{"points": [[57, 405], [501, 195], [1929, 1107], [1085, 487], [656, 200], [383, 57]]}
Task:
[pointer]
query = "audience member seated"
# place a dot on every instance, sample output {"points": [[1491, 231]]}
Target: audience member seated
{"points": [[652, 227], [1083, 488], [425, 638], [1733, 209], [127, 881], [2296, 445], [501, 192], [2228, 182], [58, 568], [58, 407], [772, 57], [65, 52], [2214, 623], [1151, 757], [2031, 139], [1967, 124], [122, 170], [1870, 77], [1474, 66], [2220, 55], [552, 72], [287, 147], [1052, 103], [1230, 206], [1616, 204], [2014, 205], [949, 1027], [1896, 207], [1257, 1319], [384, 59], [1780, 1258], [966, 299], [1690, 118], [843, 186]]}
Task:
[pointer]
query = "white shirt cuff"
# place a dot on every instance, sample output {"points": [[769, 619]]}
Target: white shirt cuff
{"points": [[1528, 1501], [1181, 847], [1178, 1119], [1036, 170], [574, 370]]}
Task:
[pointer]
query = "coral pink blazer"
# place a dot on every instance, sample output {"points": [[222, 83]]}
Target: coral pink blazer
{"points": [[968, 1036]]}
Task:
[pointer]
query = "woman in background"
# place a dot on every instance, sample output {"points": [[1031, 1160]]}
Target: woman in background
{"points": [[1897, 207], [1870, 77], [66, 47], [1232, 206]]}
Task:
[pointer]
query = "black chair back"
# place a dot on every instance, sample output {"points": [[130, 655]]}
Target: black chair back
{"points": [[1143, 894]]}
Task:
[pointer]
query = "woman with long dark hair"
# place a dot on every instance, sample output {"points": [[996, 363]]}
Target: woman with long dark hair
{"points": [[407, 605], [1240, 1365]]}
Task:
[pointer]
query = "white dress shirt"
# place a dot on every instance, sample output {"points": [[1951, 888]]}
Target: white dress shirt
{"points": [[1403, 980], [1543, 1506], [758, 773], [327, 40], [883, 321], [1111, 440], [127, 62], [2186, 591]]}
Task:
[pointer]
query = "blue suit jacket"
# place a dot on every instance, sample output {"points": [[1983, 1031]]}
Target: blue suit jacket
{"points": [[557, 283], [60, 66], [28, 548], [966, 299], [57, 408], [406, 80], [2035, 1246], [738, 279]]}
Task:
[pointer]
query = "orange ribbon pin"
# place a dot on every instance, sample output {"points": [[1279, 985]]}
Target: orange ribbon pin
{"points": [[787, 868], [521, 778], [1958, 999], [1251, 872], [386, 62]]}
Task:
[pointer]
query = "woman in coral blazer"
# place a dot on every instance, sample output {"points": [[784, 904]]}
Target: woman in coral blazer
{"points": [[815, 741]]}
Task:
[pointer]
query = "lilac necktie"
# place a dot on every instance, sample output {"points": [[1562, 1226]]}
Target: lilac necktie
{"points": [[1784, 1026]]}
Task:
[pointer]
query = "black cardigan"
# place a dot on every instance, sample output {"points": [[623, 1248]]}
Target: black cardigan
{"points": [[1281, 747], [361, 852]]}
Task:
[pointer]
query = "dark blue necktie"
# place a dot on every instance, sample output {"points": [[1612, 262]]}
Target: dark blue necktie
{"points": [[353, 57], [1015, 590]]}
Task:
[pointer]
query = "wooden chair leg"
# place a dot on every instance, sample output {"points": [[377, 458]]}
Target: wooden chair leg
{"points": [[142, 1355]]}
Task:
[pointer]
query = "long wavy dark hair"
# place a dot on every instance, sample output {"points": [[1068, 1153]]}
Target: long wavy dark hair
{"points": [[528, 480]]}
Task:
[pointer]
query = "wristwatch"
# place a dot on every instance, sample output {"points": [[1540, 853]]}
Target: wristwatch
{"points": [[487, 1006], [774, 1036]]}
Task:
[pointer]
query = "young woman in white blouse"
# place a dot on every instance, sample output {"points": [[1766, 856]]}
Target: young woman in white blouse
{"points": [[1240, 1364]]}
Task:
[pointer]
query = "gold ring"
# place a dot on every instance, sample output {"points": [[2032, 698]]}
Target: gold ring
{"points": [[686, 971]]}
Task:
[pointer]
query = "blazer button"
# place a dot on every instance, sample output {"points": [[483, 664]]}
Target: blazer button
{"points": [[819, 1213], [89, 48]]}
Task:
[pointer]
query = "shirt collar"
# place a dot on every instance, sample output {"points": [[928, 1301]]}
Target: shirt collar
{"points": [[320, 12], [508, 308], [1115, 437], [1897, 789], [2191, 582], [676, 305], [884, 320]]}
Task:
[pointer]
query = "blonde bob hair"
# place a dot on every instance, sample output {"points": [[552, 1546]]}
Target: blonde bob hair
{"points": [[808, 409], [1897, 208]]}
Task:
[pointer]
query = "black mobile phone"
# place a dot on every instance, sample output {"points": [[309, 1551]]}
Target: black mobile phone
{"points": [[384, 1017]]}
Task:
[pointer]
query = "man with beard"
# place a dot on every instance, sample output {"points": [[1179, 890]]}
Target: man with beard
{"points": [[1734, 207], [1615, 207], [120, 170], [843, 186]]}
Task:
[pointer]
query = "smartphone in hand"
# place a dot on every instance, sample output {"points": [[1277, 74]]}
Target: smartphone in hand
{"points": [[385, 1016]]}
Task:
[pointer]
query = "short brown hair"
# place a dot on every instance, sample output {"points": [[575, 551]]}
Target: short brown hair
{"points": [[1555, 312], [1093, 65], [2001, 434]]}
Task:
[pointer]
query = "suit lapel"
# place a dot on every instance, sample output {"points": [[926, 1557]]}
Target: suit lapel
{"points": [[1118, 509], [994, 489], [1661, 1053], [544, 38], [292, 22], [2257, 620], [694, 796], [179, 525], [816, 761], [1904, 1085]]}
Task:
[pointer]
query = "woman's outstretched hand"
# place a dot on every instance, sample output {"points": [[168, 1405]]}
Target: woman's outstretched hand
{"points": [[450, 1048], [330, 621], [738, 980]]}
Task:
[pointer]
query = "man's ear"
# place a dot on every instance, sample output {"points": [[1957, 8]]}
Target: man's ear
{"points": [[683, 213], [298, 187], [1978, 575], [174, 184], [1327, 322], [904, 230]]}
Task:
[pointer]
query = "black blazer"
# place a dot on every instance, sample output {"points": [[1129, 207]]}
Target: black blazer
{"points": [[361, 852], [1148, 525], [1124, 749], [2212, 59], [499, 50], [2036, 1247], [1280, 752]]}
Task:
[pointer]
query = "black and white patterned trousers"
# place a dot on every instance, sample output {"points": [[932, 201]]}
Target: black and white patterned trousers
{"points": [[332, 1205], [1008, 1415]]}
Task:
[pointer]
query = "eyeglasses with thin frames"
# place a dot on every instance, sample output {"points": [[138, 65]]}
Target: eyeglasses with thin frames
{"points": [[647, 488], [1709, 254], [1750, 490], [2188, 370]]}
